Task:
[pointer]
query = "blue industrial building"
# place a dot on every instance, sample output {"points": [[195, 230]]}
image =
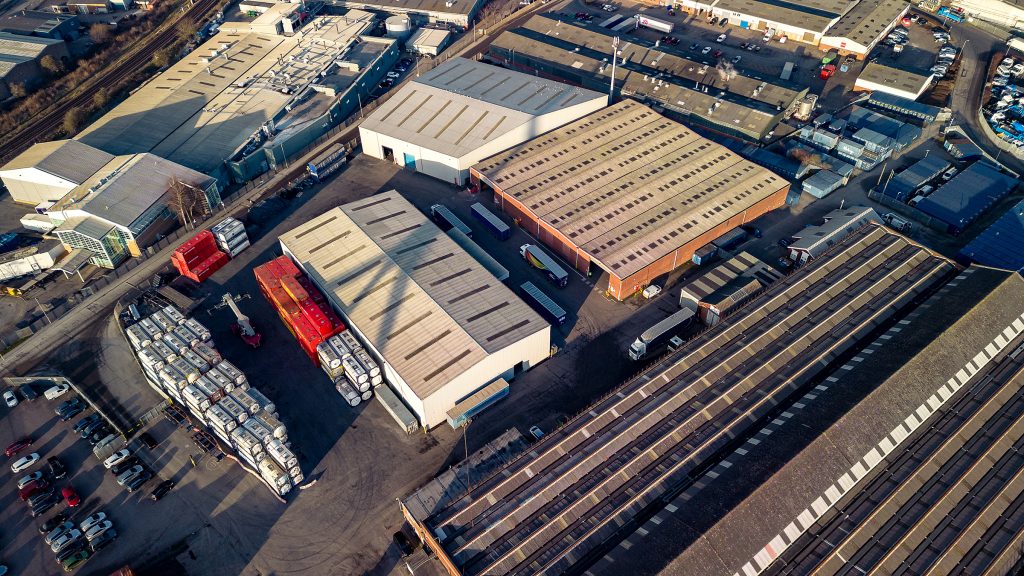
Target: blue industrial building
{"points": [[968, 195], [1000, 245]]}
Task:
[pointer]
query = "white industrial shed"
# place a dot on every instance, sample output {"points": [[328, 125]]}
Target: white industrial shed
{"points": [[442, 327], [464, 111], [49, 170]]}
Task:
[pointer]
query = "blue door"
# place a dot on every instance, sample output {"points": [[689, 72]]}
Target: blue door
{"points": [[410, 161], [744, 24]]}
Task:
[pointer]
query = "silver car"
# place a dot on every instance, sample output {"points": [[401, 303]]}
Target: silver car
{"points": [[127, 475], [91, 521], [98, 529], [65, 540], [26, 480], [58, 532]]}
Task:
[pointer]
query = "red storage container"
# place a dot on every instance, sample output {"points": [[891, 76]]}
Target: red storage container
{"points": [[196, 249]]}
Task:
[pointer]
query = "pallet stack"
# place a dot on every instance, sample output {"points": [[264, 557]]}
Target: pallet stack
{"points": [[302, 308], [198, 258]]}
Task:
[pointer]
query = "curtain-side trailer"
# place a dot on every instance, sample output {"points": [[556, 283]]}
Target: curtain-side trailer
{"points": [[542, 302], [448, 220], [657, 337], [540, 260], [496, 225]]}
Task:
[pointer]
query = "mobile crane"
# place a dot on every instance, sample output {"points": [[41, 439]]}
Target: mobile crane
{"points": [[243, 328]]}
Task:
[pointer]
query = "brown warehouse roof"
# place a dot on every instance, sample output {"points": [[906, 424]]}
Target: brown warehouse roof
{"points": [[627, 185]]}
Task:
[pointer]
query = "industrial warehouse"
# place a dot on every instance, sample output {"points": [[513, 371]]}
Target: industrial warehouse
{"points": [[913, 464], [443, 326], [463, 111], [249, 97], [587, 486], [716, 97], [460, 12], [628, 190]]}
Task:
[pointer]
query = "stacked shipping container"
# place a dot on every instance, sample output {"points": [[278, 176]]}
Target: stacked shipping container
{"points": [[302, 308], [180, 361], [231, 237], [354, 373], [198, 258]]}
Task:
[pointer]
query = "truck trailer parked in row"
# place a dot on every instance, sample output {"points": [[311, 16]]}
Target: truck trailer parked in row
{"points": [[447, 220], [491, 221], [654, 24], [657, 337], [542, 303], [540, 260]]}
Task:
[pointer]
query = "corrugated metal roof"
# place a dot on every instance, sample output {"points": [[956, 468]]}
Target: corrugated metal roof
{"points": [[628, 185], [866, 21], [970, 193], [814, 16], [463, 104], [1000, 245], [68, 159], [838, 224], [428, 307], [911, 81], [914, 176]]}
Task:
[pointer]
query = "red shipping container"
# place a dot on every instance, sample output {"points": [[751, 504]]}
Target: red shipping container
{"points": [[295, 290], [287, 266], [196, 249]]}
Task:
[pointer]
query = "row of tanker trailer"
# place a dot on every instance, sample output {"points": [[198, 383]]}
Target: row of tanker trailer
{"points": [[180, 361]]}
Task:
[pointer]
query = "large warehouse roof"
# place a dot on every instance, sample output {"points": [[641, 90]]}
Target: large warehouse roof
{"points": [[815, 15], [1000, 244], [865, 22], [208, 104], [424, 304], [67, 159], [767, 492], [628, 185], [463, 104], [968, 194], [876, 76], [582, 486]]}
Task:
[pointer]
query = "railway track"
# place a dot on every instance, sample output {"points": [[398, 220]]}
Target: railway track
{"points": [[44, 126]]}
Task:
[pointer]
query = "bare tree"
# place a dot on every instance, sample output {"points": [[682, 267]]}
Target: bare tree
{"points": [[73, 120], [100, 33], [17, 89], [186, 28], [51, 65], [100, 98], [188, 202], [805, 157], [162, 58]]}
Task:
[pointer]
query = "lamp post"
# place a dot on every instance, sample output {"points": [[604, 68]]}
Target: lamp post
{"points": [[615, 52]]}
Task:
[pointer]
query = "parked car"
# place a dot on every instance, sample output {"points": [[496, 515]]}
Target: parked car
{"points": [[536, 432], [651, 291], [98, 529], [706, 50], [127, 464], [116, 458], [138, 481], [55, 392], [33, 488], [723, 22], [10, 398], [70, 551], [393, 75], [76, 560], [26, 480], [405, 546], [28, 391], [736, 59], [721, 38], [86, 421], [148, 440], [17, 446], [57, 469], [948, 174], [386, 83], [54, 523], [752, 230], [44, 506], [98, 435], [67, 405], [25, 462], [128, 474], [70, 496], [103, 540], [91, 427], [57, 531], [65, 540], [161, 490], [91, 521], [717, 54], [694, 46], [72, 412]]}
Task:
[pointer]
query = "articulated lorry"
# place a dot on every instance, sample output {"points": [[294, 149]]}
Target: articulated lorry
{"points": [[657, 337], [541, 261]]}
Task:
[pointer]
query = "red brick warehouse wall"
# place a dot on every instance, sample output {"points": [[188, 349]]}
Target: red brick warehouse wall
{"points": [[622, 288]]}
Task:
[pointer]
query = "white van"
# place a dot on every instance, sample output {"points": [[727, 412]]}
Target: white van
{"points": [[56, 391]]}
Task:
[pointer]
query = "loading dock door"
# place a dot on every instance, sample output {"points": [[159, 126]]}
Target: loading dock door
{"points": [[410, 161], [744, 24]]}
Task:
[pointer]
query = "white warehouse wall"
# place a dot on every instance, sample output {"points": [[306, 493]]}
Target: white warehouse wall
{"points": [[32, 186], [876, 87]]}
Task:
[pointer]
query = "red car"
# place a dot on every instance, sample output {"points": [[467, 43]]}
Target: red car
{"points": [[32, 488], [72, 498], [17, 446], [717, 54]]}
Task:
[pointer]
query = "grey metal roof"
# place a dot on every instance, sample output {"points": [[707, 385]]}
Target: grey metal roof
{"points": [[743, 264], [583, 485], [460, 7], [127, 186], [30, 21], [814, 15], [463, 104], [968, 194], [838, 224], [21, 45], [865, 22], [628, 185], [426, 306], [68, 159], [1000, 244], [781, 477], [914, 176]]}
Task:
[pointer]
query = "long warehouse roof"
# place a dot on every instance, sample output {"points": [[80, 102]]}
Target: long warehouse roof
{"points": [[584, 485], [463, 104], [67, 159], [628, 185], [424, 304], [865, 22], [767, 491]]}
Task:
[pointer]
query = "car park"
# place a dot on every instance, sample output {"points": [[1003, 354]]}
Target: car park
{"points": [[161, 490], [25, 462], [55, 392], [103, 540], [65, 539], [17, 446], [91, 521], [128, 474], [10, 398], [97, 529], [138, 481], [53, 523], [117, 458], [70, 496], [57, 469], [26, 480], [58, 531]]}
